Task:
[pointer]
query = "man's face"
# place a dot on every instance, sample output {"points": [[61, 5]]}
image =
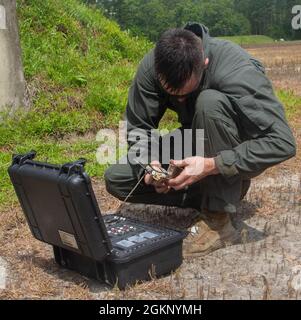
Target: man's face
{"points": [[191, 85]]}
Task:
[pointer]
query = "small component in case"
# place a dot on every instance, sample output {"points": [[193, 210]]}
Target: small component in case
{"points": [[148, 235], [137, 239], [125, 244], [112, 219]]}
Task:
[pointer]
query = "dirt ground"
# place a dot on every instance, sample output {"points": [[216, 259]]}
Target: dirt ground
{"points": [[283, 64], [265, 265]]}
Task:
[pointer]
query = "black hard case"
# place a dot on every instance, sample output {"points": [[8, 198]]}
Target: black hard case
{"points": [[60, 199]]}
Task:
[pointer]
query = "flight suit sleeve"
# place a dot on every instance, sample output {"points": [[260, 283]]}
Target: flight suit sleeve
{"points": [[268, 138], [145, 108]]}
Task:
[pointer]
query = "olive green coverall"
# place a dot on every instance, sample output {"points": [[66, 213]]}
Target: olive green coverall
{"points": [[245, 127]]}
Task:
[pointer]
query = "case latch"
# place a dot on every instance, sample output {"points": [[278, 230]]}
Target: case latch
{"points": [[73, 167], [21, 158]]}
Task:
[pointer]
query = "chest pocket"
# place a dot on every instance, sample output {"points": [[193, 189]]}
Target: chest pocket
{"points": [[255, 121]]}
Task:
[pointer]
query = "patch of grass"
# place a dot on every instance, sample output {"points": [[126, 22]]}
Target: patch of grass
{"points": [[249, 40], [169, 121], [52, 151], [75, 60], [291, 102]]}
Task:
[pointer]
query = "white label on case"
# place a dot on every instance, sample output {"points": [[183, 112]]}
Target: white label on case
{"points": [[68, 239]]}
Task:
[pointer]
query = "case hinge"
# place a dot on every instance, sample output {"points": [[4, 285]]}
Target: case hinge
{"points": [[21, 158], [73, 167]]}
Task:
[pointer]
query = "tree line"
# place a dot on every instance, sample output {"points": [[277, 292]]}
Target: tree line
{"points": [[223, 17]]}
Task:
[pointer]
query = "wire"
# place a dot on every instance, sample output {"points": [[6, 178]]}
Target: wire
{"points": [[134, 189], [157, 170]]}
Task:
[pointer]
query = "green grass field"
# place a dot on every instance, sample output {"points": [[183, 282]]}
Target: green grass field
{"points": [[249, 40]]}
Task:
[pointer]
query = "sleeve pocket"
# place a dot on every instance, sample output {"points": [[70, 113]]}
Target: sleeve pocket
{"points": [[258, 65], [255, 120]]}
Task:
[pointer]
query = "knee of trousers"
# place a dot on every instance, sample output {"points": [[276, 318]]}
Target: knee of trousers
{"points": [[214, 114], [211, 104], [116, 182]]}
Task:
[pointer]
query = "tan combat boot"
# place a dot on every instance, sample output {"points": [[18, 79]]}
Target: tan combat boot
{"points": [[213, 231]]}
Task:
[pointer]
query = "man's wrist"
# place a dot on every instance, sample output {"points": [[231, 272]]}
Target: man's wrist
{"points": [[211, 167]]}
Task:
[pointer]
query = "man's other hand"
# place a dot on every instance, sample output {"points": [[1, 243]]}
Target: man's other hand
{"points": [[194, 170]]}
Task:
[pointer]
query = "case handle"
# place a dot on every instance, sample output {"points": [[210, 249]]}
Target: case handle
{"points": [[73, 167], [21, 158]]}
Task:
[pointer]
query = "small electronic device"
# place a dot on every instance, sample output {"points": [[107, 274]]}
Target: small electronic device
{"points": [[160, 174]]}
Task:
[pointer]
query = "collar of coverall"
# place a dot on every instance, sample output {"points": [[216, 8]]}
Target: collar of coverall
{"points": [[203, 32]]}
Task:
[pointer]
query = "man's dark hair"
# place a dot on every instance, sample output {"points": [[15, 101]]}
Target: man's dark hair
{"points": [[178, 55]]}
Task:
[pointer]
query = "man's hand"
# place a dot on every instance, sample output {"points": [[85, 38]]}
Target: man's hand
{"points": [[161, 187], [194, 170]]}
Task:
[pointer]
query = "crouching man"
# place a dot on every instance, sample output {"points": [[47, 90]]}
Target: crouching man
{"points": [[216, 86]]}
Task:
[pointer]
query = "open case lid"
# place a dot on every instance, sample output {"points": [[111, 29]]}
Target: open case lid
{"points": [[60, 205]]}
